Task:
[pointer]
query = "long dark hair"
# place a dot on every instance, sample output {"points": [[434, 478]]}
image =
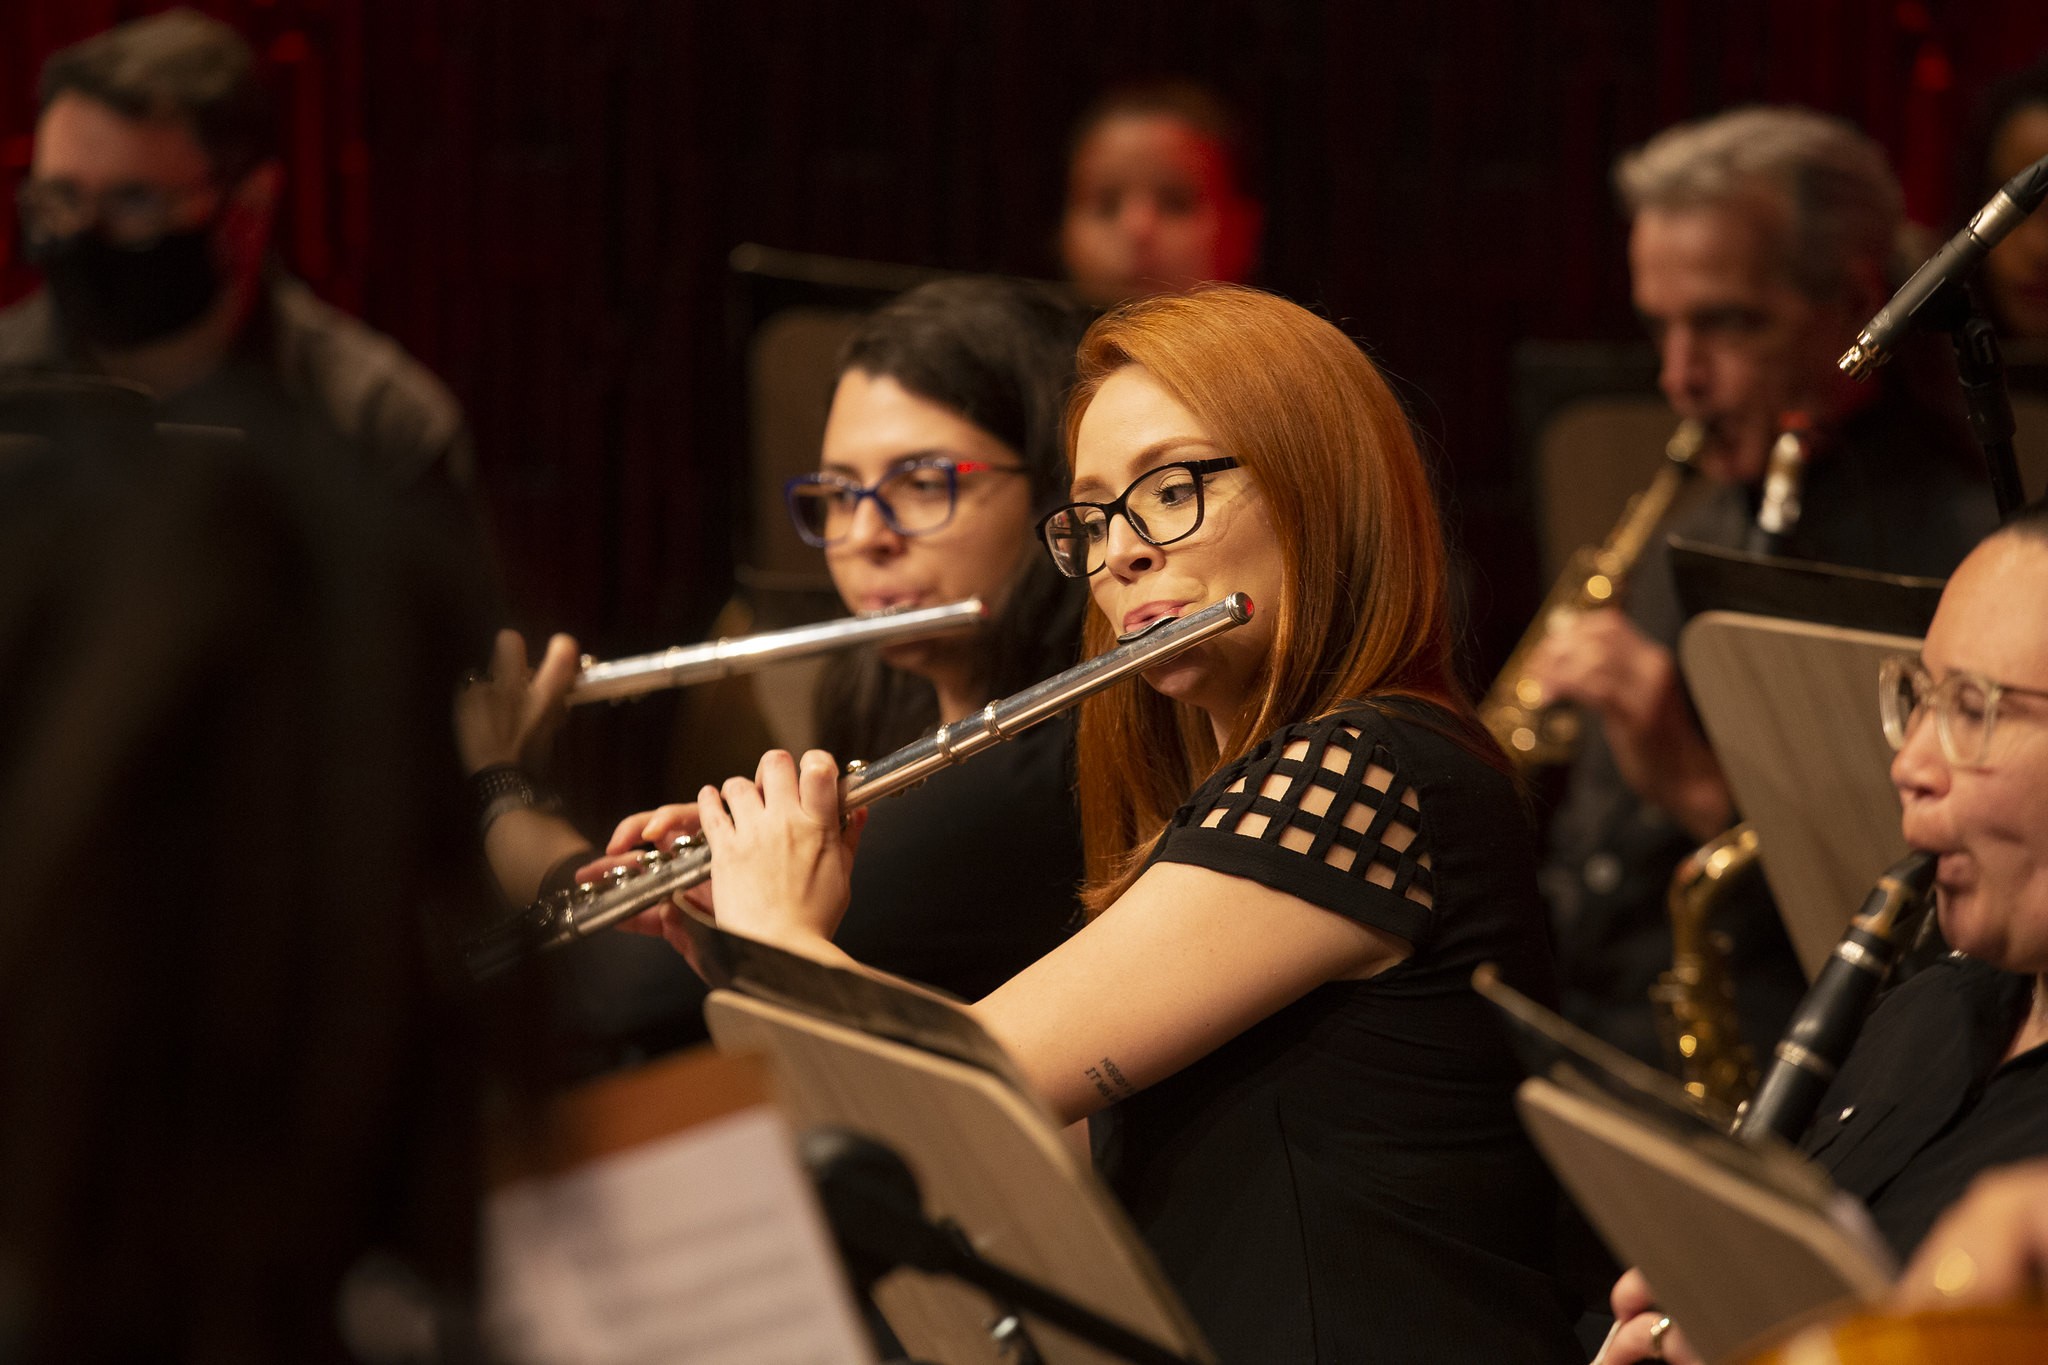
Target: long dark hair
{"points": [[1001, 354], [229, 1064]]}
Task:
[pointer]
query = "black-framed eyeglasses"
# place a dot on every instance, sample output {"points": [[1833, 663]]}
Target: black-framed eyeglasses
{"points": [[1965, 707], [915, 498], [1162, 505], [134, 215]]}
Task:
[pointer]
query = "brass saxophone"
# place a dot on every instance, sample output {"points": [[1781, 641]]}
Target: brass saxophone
{"points": [[1695, 1000], [1535, 735]]}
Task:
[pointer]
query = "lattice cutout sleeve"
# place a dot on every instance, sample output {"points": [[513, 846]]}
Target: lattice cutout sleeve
{"points": [[1319, 811]]}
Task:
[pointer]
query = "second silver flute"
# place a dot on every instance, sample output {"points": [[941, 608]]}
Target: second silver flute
{"points": [[660, 873], [689, 664]]}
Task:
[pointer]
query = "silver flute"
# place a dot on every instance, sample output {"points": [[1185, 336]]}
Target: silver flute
{"points": [[685, 665], [662, 872]]}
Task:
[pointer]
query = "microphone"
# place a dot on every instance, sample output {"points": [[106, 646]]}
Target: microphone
{"points": [[2008, 208]]}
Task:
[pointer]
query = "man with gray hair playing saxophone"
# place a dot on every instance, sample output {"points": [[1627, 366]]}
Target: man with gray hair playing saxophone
{"points": [[1760, 239]]}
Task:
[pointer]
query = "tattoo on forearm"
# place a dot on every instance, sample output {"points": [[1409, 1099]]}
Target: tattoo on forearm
{"points": [[1109, 1082]]}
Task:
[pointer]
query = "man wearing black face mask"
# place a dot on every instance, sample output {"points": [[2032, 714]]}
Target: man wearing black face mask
{"points": [[148, 208]]}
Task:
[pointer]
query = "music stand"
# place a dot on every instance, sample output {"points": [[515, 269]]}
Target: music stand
{"points": [[1790, 708], [919, 1074], [1739, 1238], [1734, 1251]]}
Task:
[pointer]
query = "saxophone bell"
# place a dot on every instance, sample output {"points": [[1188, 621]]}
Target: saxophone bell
{"points": [[1695, 999]]}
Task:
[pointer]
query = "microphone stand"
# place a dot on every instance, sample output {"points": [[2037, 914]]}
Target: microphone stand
{"points": [[1939, 297], [876, 1213], [1980, 364], [1953, 307]]}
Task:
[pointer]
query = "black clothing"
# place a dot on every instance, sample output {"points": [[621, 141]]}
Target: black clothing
{"points": [[306, 383], [970, 878], [1346, 1180], [1926, 1100], [302, 374], [1894, 490]]}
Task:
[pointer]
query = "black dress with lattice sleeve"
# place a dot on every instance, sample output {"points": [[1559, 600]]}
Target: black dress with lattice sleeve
{"points": [[1346, 1180]]}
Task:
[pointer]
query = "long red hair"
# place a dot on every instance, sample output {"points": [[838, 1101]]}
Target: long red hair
{"points": [[1365, 612]]}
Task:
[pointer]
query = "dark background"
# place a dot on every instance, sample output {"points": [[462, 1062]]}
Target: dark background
{"points": [[537, 197]]}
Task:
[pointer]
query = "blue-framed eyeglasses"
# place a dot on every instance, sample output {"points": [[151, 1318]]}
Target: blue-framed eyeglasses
{"points": [[915, 498]]}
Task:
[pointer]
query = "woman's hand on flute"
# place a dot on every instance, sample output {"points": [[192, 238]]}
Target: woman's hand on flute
{"points": [[778, 852], [509, 715], [781, 860], [658, 827]]}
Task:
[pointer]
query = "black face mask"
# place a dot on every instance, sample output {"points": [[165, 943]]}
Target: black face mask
{"points": [[118, 297]]}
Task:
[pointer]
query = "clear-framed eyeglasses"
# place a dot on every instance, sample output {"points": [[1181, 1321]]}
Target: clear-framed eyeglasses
{"points": [[1162, 505], [1965, 707], [134, 215], [915, 498]]}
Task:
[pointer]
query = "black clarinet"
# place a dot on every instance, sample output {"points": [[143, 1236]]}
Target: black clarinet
{"points": [[1830, 1016]]}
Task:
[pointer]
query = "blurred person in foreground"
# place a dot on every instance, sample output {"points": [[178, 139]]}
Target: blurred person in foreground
{"points": [[1760, 241], [1949, 1077], [1161, 195], [244, 1107]]}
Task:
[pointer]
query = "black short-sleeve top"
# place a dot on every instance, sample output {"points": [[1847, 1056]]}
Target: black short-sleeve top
{"points": [[1347, 1180]]}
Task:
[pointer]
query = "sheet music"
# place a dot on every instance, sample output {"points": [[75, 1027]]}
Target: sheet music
{"points": [[704, 1247]]}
